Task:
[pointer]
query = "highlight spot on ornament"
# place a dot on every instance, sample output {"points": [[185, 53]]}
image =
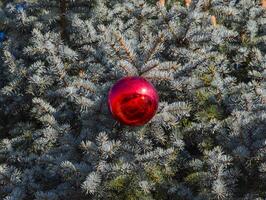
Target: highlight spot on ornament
{"points": [[133, 101]]}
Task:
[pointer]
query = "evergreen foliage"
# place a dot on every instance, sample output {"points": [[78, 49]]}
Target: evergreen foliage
{"points": [[58, 59]]}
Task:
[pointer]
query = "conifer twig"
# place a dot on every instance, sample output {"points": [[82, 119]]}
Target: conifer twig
{"points": [[122, 43], [85, 86], [128, 69], [63, 22], [116, 51], [158, 41], [149, 69], [62, 77], [207, 5], [169, 26]]}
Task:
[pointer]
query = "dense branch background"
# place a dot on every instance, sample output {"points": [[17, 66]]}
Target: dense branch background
{"points": [[58, 60]]}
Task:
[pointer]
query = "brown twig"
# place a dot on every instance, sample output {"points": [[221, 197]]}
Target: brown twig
{"points": [[213, 20], [149, 69], [124, 46], [263, 4], [187, 3], [116, 50], [161, 2], [63, 21], [207, 5]]}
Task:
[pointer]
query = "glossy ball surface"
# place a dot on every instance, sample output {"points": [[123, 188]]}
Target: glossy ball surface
{"points": [[133, 101]]}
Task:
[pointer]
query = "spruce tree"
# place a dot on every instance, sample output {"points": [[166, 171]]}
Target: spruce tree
{"points": [[59, 59]]}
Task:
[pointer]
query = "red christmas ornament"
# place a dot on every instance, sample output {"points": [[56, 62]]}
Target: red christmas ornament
{"points": [[133, 101]]}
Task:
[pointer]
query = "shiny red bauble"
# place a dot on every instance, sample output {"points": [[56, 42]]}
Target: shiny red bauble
{"points": [[133, 101]]}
